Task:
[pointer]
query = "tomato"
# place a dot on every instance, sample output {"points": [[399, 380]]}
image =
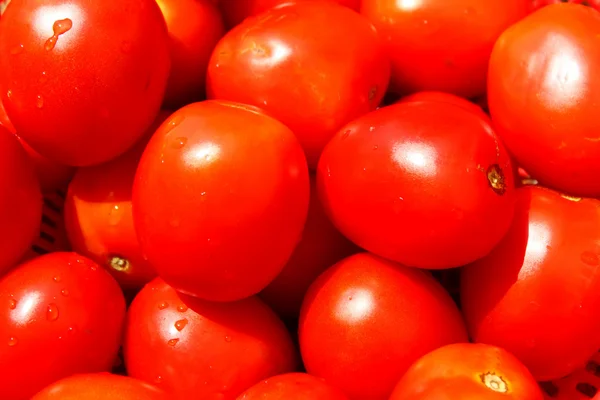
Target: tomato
{"points": [[220, 199], [193, 348], [100, 386], [543, 92], [61, 315], [538, 293], [195, 27], [427, 184], [366, 320], [20, 201], [321, 246], [293, 386], [82, 80], [308, 80], [447, 98], [441, 45], [466, 371], [235, 11]]}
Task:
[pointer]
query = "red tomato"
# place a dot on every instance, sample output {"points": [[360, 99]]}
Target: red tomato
{"points": [[99, 219], [538, 293], [321, 246], [543, 96], [198, 349], [390, 182], [61, 315], [441, 45], [444, 97], [100, 386], [366, 320], [308, 80], [467, 371], [20, 201], [82, 80], [235, 11], [293, 386], [220, 199], [195, 27]]}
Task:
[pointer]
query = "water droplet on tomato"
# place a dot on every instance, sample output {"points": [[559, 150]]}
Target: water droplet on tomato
{"points": [[17, 50], [172, 342], [52, 312], [64, 292], [56, 278], [39, 102], [12, 304], [182, 308], [9, 93], [12, 341], [50, 43], [228, 339], [345, 134], [174, 122], [375, 147], [158, 380], [43, 78], [179, 325], [203, 194], [59, 27], [93, 267], [179, 142], [163, 305]]}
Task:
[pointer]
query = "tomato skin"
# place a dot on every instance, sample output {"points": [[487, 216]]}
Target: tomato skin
{"points": [[308, 81], [366, 320], [441, 45], [321, 246], [388, 177], [220, 199], [100, 386], [530, 84], [195, 27], [293, 386], [537, 294], [195, 348], [61, 315], [78, 97], [428, 96], [467, 371]]}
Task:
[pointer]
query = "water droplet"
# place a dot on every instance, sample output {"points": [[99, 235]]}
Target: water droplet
{"points": [[39, 102], [371, 129], [203, 194], [375, 147], [56, 278], [64, 292], [163, 305], [72, 329], [52, 312], [59, 27], [172, 342], [43, 78], [345, 134], [12, 341], [182, 308], [50, 43], [12, 304], [228, 339], [158, 380], [9, 93], [172, 124], [179, 142], [179, 325], [93, 267], [17, 50]]}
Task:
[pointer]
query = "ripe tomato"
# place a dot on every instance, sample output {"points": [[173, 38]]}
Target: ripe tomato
{"points": [[20, 201], [220, 199], [308, 80], [100, 386], [99, 220], [321, 246], [195, 27], [538, 293], [446, 98], [441, 45], [82, 80], [466, 371], [390, 182], [293, 386], [193, 348], [543, 93], [235, 11], [61, 314], [366, 320]]}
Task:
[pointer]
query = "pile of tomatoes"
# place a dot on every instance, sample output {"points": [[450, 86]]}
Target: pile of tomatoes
{"points": [[299, 200]]}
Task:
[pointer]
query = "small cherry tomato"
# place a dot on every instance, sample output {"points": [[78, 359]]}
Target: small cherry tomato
{"points": [[220, 199], [293, 386], [543, 96], [366, 320], [426, 184], [193, 348], [308, 80], [446, 98], [467, 371], [60, 315], [100, 386], [441, 45], [82, 80], [537, 294]]}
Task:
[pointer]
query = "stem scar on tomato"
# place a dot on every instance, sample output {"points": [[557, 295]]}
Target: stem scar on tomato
{"points": [[119, 263], [494, 382], [571, 198], [496, 179]]}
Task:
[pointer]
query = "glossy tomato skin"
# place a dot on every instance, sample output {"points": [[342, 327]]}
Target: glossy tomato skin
{"points": [[429, 96], [293, 386], [366, 320], [426, 184], [467, 371], [321, 246], [543, 69], [76, 96], [441, 45], [61, 314], [538, 293], [100, 386], [195, 27], [308, 80], [220, 199], [194, 348], [20, 201]]}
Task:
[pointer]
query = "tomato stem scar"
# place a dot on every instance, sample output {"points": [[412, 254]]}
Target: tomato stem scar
{"points": [[494, 382], [496, 179], [119, 264]]}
